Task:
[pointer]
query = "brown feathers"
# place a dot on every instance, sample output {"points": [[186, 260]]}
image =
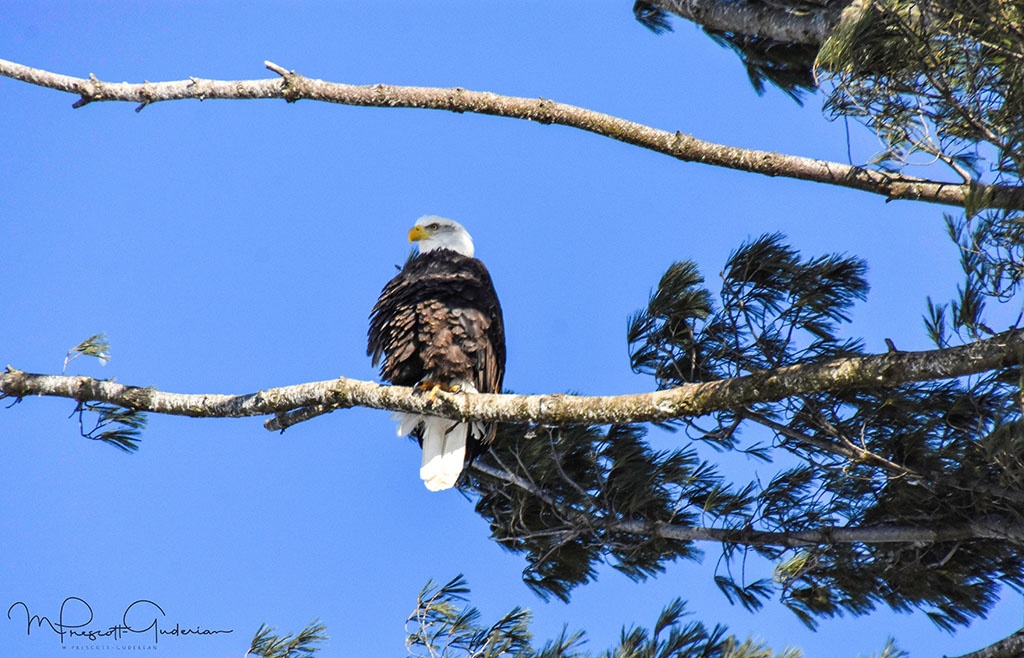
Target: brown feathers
{"points": [[439, 321]]}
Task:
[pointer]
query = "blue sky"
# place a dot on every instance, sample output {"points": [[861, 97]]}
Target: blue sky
{"points": [[230, 246]]}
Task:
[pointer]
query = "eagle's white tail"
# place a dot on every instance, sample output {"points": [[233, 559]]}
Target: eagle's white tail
{"points": [[444, 452], [444, 447], [444, 443]]}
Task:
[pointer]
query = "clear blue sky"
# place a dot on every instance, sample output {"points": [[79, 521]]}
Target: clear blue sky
{"points": [[230, 246]]}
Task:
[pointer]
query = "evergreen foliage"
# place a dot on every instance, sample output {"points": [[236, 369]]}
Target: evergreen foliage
{"points": [[116, 426], [935, 80], [304, 644], [936, 455], [443, 626], [939, 83], [573, 488]]}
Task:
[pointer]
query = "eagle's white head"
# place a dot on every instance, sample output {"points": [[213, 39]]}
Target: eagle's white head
{"points": [[432, 232]]}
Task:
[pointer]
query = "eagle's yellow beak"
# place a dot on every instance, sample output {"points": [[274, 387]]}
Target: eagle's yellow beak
{"points": [[418, 233]]}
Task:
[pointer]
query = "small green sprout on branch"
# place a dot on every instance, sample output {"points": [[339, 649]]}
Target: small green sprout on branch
{"points": [[96, 345]]}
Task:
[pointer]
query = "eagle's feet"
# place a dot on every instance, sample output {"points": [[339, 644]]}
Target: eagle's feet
{"points": [[433, 388]]}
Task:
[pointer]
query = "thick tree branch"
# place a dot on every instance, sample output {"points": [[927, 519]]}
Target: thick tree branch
{"points": [[880, 370], [994, 528], [292, 87], [766, 20], [986, 528], [1008, 647]]}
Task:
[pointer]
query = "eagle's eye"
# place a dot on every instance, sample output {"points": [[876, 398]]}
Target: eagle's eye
{"points": [[433, 227]]}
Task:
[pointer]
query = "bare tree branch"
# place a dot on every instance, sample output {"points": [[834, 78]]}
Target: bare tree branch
{"points": [[292, 87], [879, 370]]}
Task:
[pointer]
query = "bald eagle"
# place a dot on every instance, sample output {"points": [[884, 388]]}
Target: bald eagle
{"points": [[438, 324]]}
